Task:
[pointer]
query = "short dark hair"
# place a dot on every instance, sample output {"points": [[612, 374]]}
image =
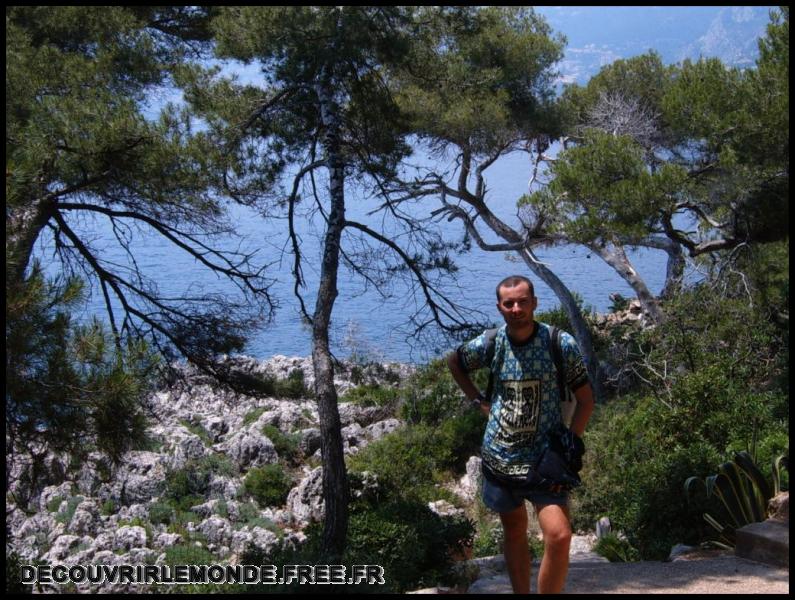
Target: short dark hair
{"points": [[513, 281]]}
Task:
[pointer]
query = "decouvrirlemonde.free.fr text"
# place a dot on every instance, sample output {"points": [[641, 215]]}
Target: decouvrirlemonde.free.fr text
{"points": [[197, 574]]}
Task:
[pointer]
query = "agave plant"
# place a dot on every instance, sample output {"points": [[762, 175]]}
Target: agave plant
{"points": [[744, 492]]}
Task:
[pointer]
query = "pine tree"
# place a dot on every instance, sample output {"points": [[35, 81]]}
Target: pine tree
{"points": [[324, 110]]}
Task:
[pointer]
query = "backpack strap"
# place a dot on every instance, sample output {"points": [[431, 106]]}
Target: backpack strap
{"points": [[491, 336]]}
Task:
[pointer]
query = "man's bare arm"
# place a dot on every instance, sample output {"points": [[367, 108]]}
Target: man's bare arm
{"points": [[582, 413], [464, 381]]}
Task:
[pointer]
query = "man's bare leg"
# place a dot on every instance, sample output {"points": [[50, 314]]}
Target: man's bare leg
{"points": [[556, 527], [516, 550]]}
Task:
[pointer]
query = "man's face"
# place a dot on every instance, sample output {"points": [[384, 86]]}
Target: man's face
{"points": [[516, 305]]}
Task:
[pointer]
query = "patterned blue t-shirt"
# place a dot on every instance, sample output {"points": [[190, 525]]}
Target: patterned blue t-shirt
{"points": [[525, 399]]}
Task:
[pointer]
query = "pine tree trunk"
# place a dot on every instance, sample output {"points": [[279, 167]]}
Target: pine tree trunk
{"points": [[23, 227], [335, 480], [617, 258], [674, 272]]}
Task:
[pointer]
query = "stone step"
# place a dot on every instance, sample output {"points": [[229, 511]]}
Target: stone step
{"points": [[766, 542]]}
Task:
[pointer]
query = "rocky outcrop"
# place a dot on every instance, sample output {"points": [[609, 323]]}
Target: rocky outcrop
{"points": [[767, 542], [631, 315], [778, 507], [205, 442], [305, 501], [248, 449]]}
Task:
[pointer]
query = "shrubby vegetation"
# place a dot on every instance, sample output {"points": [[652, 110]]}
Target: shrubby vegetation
{"points": [[712, 381], [616, 549], [442, 432], [557, 316], [268, 485], [413, 545], [268, 385], [372, 395], [433, 396], [187, 487], [286, 444]]}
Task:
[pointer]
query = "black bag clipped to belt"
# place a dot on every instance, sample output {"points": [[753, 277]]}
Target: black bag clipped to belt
{"points": [[561, 462], [558, 465]]}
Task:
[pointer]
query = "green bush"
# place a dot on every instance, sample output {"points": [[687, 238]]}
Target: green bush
{"points": [[616, 549], [405, 460], [372, 395], [161, 512], [410, 462], [286, 445], [462, 435], [179, 521], [72, 503], [248, 514], [198, 430], [557, 316], [268, 385], [188, 486], [109, 507], [183, 554], [713, 374], [432, 394], [489, 540], [372, 373], [253, 415], [55, 503], [292, 387], [268, 485], [412, 544], [222, 509], [219, 464], [634, 472], [432, 406], [536, 546]]}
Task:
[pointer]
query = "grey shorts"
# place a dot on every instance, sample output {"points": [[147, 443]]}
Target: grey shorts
{"points": [[502, 499]]}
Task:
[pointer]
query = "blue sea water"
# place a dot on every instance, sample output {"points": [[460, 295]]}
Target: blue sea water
{"points": [[364, 322]]}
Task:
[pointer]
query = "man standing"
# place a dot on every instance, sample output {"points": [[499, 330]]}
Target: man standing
{"points": [[523, 410]]}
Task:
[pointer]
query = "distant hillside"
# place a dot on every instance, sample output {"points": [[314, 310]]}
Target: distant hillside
{"points": [[597, 36]]}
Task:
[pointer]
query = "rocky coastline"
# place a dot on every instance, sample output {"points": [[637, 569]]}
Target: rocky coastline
{"points": [[96, 513]]}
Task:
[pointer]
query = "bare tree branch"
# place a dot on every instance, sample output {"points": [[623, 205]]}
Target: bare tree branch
{"points": [[199, 336], [244, 280], [619, 114], [695, 249], [438, 311]]}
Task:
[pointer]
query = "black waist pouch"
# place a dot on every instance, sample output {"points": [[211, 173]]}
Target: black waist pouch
{"points": [[525, 482], [558, 465]]}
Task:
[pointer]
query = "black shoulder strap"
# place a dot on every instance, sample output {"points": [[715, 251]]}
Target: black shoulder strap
{"points": [[557, 357], [491, 335]]}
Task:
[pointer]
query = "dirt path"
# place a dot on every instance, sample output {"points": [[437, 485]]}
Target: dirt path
{"points": [[720, 575]]}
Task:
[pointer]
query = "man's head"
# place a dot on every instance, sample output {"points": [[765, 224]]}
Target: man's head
{"points": [[516, 301]]}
